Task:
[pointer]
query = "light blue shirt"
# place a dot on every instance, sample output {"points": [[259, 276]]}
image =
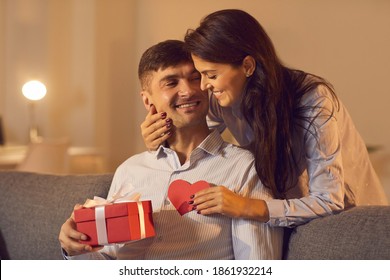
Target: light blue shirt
{"points": [[334, 170], [194, 236]]}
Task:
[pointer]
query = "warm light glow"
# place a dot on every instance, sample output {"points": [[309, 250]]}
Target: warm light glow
{"points": [[34, 90]]}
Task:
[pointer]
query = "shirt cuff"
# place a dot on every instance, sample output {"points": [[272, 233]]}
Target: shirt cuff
{"points": [[277, 216], [76, 257], [64, 254]]}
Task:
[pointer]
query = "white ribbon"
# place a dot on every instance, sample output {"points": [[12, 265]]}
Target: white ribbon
{"points": [[141, 219], [100, 218]]}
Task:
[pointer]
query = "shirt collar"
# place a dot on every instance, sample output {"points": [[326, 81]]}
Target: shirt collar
{"points": [[211, 145]]}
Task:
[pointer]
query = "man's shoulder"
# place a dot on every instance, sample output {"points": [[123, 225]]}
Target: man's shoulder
{"points": [[138, 159]]}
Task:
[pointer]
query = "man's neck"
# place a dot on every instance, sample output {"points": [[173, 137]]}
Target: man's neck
{"points": [[184, 141]]}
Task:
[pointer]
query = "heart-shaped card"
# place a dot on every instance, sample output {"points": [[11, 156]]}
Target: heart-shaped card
{"points": [[179, 193]]}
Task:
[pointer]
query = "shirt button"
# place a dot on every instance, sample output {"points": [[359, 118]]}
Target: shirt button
{"points": [[167, 202]]}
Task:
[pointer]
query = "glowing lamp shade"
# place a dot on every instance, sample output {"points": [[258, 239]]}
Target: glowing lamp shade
{"points": [[34, 90]]}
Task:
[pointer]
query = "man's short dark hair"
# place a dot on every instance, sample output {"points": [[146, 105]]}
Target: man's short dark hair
{"points": [[165, 54]]}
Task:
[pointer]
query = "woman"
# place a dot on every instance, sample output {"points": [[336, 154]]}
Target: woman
{"points": [[306, 148]]}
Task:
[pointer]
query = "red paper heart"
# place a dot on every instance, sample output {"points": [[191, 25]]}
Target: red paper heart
{"points": [[179, 193]]}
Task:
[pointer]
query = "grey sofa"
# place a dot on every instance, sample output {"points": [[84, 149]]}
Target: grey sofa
{"points": [[34, 206]]}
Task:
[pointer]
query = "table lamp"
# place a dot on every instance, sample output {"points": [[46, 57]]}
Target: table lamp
{"points": [[33, 91]]}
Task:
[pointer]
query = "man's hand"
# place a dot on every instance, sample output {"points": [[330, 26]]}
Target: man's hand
{"points": [[155, 129], [69, 238]]}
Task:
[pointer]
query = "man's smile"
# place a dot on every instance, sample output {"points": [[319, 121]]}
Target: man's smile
{"points": [[187, 105]]}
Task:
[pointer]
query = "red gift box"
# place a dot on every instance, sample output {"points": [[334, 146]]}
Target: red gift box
{"points": [[115, 223]]}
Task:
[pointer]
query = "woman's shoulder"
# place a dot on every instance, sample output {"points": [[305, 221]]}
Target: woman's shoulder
{"points": [[321, 92]]}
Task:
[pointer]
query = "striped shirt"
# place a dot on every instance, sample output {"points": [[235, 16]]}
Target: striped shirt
{"points": [[194, 236]]}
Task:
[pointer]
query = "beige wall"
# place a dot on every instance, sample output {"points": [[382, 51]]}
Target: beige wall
{"points": [[2, 54], [87, 53]]}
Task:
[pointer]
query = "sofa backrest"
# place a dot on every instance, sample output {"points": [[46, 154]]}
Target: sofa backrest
{"points": [[361, 233], [33, 208]]}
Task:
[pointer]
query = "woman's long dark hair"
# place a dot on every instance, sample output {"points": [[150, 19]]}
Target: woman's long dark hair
{"points": [[270, 101]]}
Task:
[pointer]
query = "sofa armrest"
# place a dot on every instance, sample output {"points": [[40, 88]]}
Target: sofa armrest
{"points": [[34, 206], [362, 233]]}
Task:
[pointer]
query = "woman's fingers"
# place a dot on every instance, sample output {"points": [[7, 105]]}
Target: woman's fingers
{"points": [[156, 129], [217, 200]]}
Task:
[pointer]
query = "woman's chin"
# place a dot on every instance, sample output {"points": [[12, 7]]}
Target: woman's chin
{"points": [[223, 102]]}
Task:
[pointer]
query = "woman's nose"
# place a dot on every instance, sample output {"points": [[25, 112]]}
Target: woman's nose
{"points": [[204, 85]]}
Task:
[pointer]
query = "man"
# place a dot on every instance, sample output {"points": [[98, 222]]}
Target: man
{"points": [[171, 84]]}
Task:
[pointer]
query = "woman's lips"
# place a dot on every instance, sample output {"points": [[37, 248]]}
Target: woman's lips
{"points": [[217, 94]]}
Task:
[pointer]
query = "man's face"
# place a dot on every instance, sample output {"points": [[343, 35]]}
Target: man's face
{"points": [[176, 91]]}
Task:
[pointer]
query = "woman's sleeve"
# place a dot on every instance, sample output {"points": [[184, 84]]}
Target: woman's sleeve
{"points": [[322, 148]]}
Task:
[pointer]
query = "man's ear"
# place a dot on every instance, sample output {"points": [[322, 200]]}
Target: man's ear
{"points": [[146, 99], [249, 64]]}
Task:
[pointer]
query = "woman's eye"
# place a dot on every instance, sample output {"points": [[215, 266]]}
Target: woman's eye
{"points": [[212, 77]]}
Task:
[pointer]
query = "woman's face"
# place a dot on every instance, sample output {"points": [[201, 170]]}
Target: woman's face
{"points": [[226, 82]]}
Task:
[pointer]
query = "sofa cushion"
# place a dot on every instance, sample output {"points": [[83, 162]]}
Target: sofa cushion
{"points": [[359, 233], [36, 206]]}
